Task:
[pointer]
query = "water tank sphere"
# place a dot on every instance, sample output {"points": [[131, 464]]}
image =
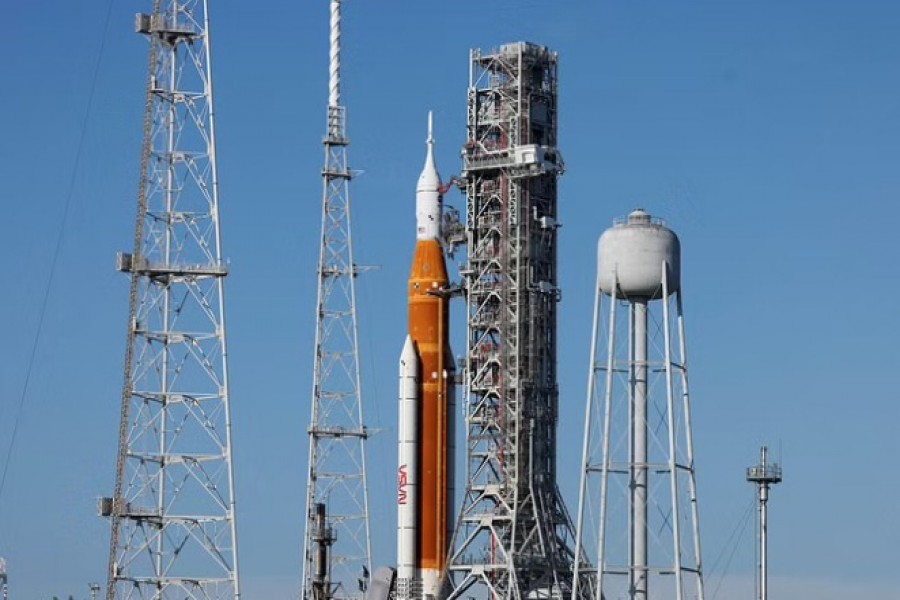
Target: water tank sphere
{"points": [[631, 253]]}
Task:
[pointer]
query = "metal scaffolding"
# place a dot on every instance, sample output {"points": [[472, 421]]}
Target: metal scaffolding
{"points": [[172, 510], [514, 537], [337, 550]]}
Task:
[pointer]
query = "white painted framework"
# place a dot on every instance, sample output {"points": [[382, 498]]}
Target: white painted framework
{"points": [[637, 510], [513, 538], [172, 511], [337, 431]]}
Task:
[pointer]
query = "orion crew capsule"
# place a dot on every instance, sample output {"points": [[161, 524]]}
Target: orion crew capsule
{"points": [[426, 428]]}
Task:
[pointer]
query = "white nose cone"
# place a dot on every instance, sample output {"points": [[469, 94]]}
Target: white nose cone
{"points": [[428, 195]]}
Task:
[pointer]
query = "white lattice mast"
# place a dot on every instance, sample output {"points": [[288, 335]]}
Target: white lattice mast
{"points": [[513, 539], [337, 551], [637, 516], [172, 510]]}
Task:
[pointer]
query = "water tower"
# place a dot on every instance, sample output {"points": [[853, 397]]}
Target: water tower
{"points": [[637, 518]]}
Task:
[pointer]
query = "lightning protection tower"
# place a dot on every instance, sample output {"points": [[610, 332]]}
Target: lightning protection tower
{"points": [[763, 476], [513, 538], [172, 510], [337, 553], [637, 515]]}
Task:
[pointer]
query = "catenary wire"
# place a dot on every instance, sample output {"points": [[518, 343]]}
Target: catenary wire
{"points": [[739, 530], [56, 252]]}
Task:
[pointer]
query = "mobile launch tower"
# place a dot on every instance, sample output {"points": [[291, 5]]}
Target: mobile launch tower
{"points": [[172, 510], [637, 515], [513, 538], [337, 551]]}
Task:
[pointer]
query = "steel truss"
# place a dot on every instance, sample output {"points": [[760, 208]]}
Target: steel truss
{"points": [[514, 537], [172, 511], [337, 550]]}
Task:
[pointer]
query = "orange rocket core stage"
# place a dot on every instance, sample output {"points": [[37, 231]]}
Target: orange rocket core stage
{"points": [[428, 320]]}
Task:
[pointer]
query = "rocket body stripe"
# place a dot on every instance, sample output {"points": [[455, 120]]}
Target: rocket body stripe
{"points": [[428, 340]]}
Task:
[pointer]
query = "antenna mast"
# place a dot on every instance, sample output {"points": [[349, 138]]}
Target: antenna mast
{"points": [[337, 434], [172, 511], [764, 474]]}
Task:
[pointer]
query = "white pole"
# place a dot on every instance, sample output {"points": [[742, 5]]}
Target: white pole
{"points": [[334, 63], [763, 541], [689, 435], [673, 458], [639, 558], [607, 426], [585, 450]]}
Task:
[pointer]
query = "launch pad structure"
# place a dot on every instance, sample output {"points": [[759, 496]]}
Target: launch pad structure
{"points": [[513, 538], [172, 512]]}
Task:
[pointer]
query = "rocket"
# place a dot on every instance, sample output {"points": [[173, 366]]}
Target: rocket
{"points": [[426, 428]]}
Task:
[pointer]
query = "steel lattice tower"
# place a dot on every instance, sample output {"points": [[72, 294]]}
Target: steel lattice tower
{"points": [[514, 537], [337, 552], [172, 511]]}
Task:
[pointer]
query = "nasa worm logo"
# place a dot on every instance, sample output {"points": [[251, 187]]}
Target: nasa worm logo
{"points": [[402, 480]]}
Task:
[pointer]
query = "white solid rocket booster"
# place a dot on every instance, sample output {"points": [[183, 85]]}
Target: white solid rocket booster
{"points": [[407, 471]]}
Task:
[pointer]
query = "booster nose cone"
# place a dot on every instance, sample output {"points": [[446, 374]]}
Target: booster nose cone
{"points": [[428, 195], [409, 362]]}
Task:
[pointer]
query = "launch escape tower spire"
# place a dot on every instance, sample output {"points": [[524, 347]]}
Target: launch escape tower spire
{"points": [[763, 476], [513, 538], [337, 433], [637, 509], [172, 511]]}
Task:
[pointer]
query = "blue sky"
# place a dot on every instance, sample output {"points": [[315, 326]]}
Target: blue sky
{"points": [[766, 133]]}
